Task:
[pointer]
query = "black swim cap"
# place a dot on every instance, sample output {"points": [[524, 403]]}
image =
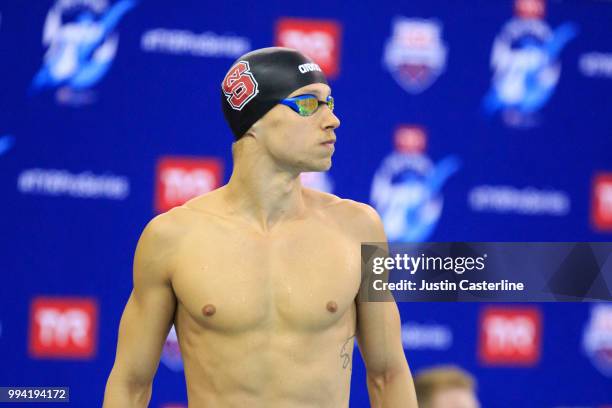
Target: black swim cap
{"points": [[258, 80]]}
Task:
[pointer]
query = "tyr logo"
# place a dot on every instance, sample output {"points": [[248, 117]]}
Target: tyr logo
{"points": [[510, 336], [63, 327], [239, 85]]}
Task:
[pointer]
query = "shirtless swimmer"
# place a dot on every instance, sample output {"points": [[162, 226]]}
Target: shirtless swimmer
{"points": [[261, 276]]}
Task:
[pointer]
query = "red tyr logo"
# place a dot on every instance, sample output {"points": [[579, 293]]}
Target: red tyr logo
{"points": [[63, 327], [510, 336], [239, 85]]}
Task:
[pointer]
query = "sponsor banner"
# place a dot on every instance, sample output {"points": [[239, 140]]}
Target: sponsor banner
{"points": [[63, 327], [596, 65], [426, 336], [597, 338], [526, 64], [59, 182], [407, 187], [184, 42], [601, 208], [81, 41], [524, 201], [415, 54], [487, 271], [510, 336], [318, 39], [179, 179]]}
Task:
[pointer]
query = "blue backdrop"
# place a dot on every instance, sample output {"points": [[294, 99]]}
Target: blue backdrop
{"points": [[466, 121]]}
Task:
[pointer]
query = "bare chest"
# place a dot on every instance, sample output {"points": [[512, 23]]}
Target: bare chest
{"points": [[304, 279]]}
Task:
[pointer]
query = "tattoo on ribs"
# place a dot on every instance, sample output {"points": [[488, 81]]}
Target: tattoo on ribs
{"points": [[345, 352]]}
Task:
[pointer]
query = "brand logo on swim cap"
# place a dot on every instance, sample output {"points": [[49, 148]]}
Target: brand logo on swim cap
{"points": [[239, 85], [309, 67]]}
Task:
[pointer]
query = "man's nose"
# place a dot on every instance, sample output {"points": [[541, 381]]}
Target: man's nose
{"points": [[330, 120]]}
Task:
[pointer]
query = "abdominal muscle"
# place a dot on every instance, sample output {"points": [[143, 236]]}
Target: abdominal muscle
{"points": [[274, 364]]}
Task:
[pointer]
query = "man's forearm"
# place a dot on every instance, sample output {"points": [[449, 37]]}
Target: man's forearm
{"points": [[121, 393], [392, 389]]}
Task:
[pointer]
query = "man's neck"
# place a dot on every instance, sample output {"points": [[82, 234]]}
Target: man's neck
{"points": [[262, 193]]}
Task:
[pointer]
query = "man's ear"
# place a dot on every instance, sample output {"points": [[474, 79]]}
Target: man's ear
{"points": [[252, 132]]}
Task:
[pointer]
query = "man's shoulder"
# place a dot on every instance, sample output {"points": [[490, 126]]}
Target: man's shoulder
{"points": [[358, 218], [182, 217], [164, 233], [164, 228], [156, 248], [339, 206]]}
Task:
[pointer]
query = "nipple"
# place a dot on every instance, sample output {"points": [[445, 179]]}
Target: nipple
{"points": [[332, 306], [209, 310]]}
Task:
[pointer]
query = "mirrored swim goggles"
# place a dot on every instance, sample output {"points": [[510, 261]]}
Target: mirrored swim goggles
{"points": [[307, 105]]}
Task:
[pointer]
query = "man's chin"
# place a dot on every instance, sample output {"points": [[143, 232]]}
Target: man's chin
{"points": [[319, 166]]}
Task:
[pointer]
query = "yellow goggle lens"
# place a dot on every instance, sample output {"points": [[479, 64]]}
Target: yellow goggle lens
{"points": [[307, 106]]}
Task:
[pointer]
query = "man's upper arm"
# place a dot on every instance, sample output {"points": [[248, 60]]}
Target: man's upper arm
{"points": [[149, 312], [378, 323]]}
